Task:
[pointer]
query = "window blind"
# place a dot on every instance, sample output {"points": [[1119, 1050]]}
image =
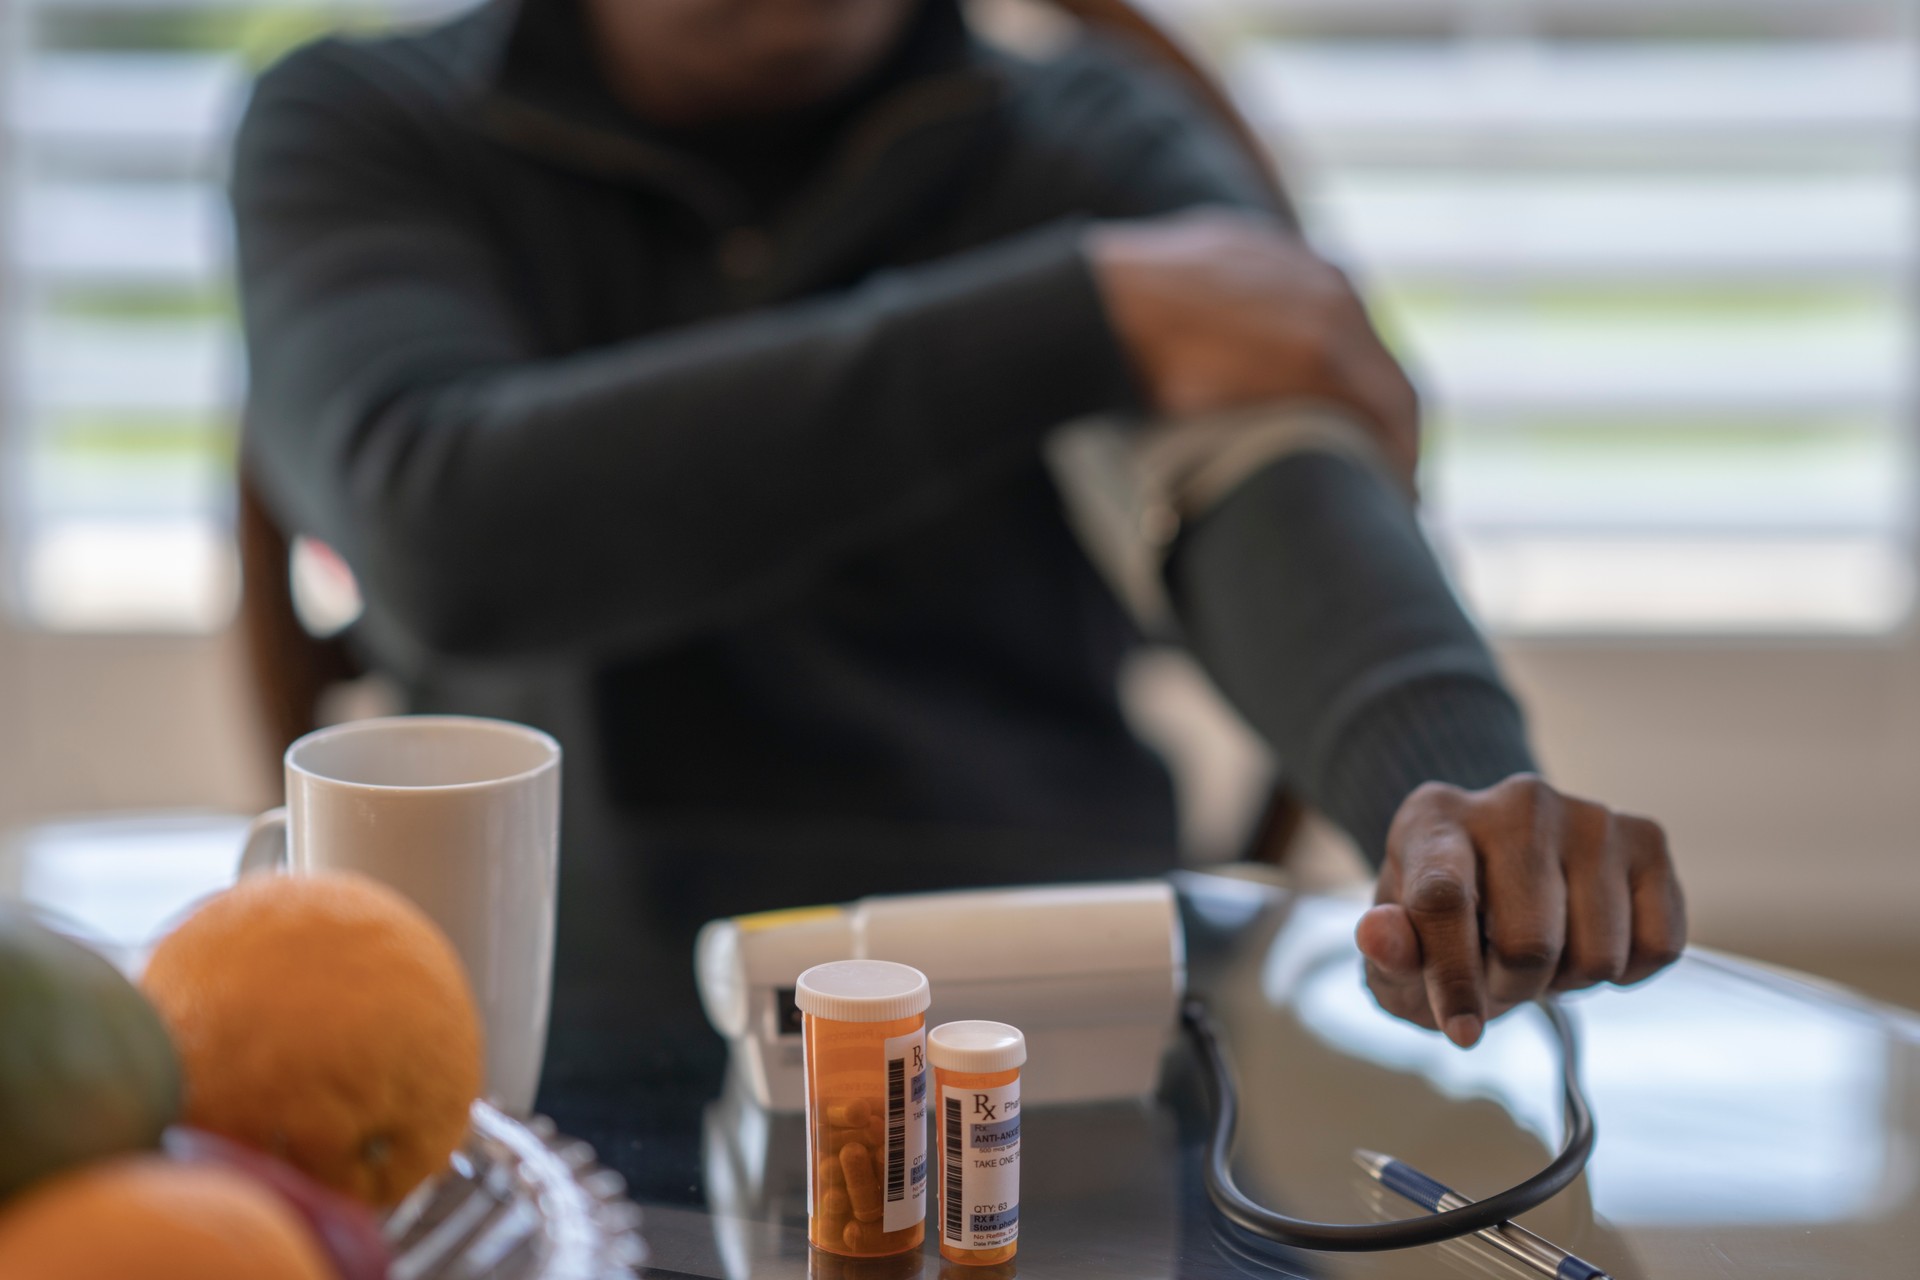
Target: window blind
{"points": [[120, 373], [1654, 263]]}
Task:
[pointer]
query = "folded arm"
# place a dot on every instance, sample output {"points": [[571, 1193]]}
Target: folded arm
{"points": [[1309, 594], [498, 500]]}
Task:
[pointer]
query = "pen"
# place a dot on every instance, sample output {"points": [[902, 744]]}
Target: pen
{"points": [[1508, 1237]]}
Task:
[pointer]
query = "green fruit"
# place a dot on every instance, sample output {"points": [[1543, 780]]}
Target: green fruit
{"points": [[86, 1069]]}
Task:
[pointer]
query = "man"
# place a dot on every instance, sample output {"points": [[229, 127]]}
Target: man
{"points": [[674, 374]]}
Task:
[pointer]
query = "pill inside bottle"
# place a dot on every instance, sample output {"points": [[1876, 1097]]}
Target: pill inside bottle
{"points": [[864, 1033], [976, 1118]]}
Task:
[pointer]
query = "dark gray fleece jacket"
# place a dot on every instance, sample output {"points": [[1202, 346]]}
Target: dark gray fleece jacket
{"points": [[717, 454]]}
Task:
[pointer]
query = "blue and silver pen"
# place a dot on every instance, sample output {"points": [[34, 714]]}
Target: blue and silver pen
{"points": [[1508, 1237]]}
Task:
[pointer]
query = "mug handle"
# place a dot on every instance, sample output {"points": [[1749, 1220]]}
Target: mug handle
{"points": [[266, 846]]}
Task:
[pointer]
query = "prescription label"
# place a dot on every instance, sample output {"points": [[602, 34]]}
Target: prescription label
{"points": [[906, 1138], [980, 1150]]}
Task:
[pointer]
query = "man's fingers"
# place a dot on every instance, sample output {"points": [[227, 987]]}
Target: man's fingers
{"points": [[1386, 937], [1599, 909], [1386, 889], [1659, 912], [1439, 882], [1526, 893], [1500, 895], [1392, 950], [1406, 1000]]}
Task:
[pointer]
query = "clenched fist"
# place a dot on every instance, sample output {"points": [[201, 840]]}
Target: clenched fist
{"points": [[1222, 310], [1489, 898]]}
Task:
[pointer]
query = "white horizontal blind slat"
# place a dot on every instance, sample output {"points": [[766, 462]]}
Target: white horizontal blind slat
{"points": [[122, 369], [1659, 284], [1490, 226], [1654, 265]]}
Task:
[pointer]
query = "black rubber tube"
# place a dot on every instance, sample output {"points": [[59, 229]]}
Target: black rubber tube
{"points": [[1403, 1233]]}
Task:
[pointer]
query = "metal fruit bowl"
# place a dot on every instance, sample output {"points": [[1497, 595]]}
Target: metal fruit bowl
{"points": [[519, 1202]]}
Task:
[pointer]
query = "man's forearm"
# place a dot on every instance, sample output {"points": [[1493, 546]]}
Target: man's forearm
{"points": [[1310, 596], [634, 495]]}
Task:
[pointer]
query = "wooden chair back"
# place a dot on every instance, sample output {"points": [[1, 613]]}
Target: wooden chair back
{"points": [[289, 668]]}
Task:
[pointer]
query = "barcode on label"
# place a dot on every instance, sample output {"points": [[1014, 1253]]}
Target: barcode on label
{"points": [[950, 1196], [896, 1129]]}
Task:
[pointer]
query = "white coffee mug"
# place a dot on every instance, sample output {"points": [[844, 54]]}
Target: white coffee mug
{"points": [[462, 815]]}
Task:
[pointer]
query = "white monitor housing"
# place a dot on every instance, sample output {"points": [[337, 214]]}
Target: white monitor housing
{"points": [[1093, 974]]}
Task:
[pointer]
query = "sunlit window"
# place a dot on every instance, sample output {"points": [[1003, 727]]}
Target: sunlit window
{"points": [[1655, 262], [119, 362]]}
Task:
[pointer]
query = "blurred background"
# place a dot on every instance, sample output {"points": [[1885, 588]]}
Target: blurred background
{"points": [[1654, 260]]}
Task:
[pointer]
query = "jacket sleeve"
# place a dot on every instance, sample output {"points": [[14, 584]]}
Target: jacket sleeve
{"points": [[1310, 596], [1307, 590], [496, 500]]}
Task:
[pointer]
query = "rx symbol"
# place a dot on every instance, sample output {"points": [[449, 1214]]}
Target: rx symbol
{"points": [[983, 1108]]}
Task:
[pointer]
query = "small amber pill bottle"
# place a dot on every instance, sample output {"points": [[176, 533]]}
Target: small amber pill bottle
{"points": [[976, 1093], [864, 1029]]}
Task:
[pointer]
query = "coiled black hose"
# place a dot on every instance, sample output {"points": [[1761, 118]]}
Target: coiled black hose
{"points": [[1403, 1233]]}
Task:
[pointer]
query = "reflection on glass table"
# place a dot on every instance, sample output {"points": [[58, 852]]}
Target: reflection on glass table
{"points": [[1751, 1123]]}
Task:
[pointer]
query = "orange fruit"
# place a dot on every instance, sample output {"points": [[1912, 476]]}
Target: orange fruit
{"points": [[148, 1217], [327, 1021]]}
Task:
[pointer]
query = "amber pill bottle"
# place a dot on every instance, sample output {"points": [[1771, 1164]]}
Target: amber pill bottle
{"points": [[864, 1030], [976, 1122]]}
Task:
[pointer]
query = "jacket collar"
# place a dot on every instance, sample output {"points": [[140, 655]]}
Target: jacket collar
{"points": [[527, 63]]}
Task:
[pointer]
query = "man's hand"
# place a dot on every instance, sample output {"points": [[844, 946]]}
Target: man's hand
{"points": [[1222, 310], [1489, 898]]}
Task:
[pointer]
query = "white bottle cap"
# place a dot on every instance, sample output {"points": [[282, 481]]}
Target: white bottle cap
{"points": [[862, 991], [976, 1047]]}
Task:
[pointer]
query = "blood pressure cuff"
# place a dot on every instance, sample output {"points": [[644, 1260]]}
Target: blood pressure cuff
{"points": [[1299, 578]]}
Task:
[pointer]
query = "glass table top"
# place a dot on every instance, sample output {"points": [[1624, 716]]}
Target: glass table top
{"points": [[1751, 1122]]}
